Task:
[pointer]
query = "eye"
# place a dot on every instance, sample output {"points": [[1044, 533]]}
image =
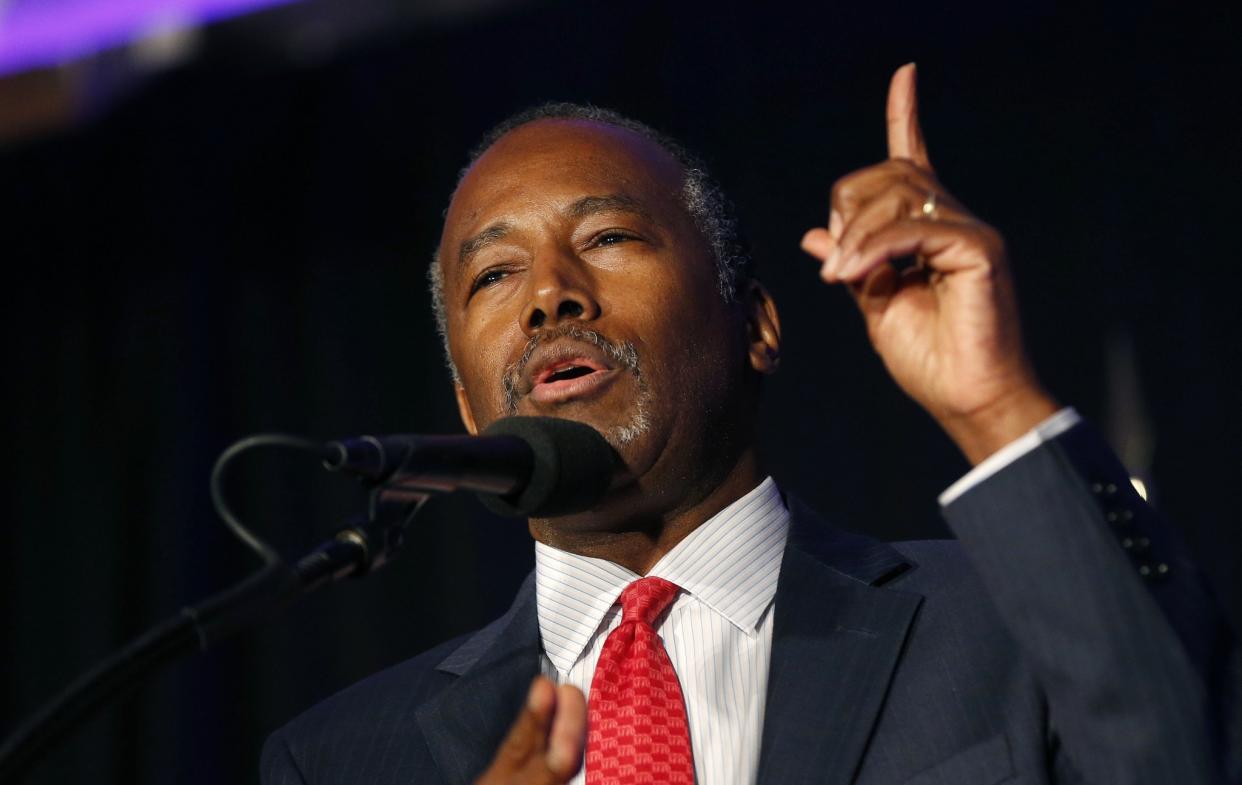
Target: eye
{"points": [[487, 278], [614, 237]]}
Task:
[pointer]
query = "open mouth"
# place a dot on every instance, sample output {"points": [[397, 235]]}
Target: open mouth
{"points": [[568, 379], [566, 373], [567, 370]]}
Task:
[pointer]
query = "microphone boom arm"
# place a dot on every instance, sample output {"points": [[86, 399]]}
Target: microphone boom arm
{"points": [[521, 466]]}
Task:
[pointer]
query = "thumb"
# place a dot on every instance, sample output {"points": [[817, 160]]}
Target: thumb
{"points": [[568, 735]]}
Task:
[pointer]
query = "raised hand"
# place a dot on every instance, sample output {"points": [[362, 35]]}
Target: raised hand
{"points": [[945, 325], [545, 743]]}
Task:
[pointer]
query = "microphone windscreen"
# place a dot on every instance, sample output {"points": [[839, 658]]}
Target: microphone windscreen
{"points": [[572, 468]]}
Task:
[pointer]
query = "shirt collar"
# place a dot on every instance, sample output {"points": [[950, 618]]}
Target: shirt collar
{"points": [[730, 563]]}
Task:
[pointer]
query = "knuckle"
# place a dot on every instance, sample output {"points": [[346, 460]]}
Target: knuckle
{"points": [[904, 166], [911, 194], [911, 170], [984, 244], [849, 189], [842, 190]]}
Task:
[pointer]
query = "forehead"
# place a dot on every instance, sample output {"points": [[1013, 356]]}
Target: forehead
{"points": [[551, 162]]}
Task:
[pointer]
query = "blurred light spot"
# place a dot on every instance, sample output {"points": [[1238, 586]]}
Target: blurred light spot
{"points": [[42, 33], [166, 42]]}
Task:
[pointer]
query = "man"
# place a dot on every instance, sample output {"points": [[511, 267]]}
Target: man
{"points": [[587, 270]]}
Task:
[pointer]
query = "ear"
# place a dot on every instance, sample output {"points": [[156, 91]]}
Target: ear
{"points": [[763, 329], [463, 409]]}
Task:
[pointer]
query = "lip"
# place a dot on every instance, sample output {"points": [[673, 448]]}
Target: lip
{"points": [[549, 359], [571, 389]]}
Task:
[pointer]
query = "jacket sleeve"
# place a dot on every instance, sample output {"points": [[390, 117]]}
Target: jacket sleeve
{"points": [[1140, 671], [277, 766]]}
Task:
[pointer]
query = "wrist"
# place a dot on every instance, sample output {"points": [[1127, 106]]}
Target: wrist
{"points": [[985, 430]]}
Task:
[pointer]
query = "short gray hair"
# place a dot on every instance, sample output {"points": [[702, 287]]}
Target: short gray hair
{"points": [[705, 201]]}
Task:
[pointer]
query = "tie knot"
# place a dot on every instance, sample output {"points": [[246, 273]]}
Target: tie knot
{"points": [[646, 598]]}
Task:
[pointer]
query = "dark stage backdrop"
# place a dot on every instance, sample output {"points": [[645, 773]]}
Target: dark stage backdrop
{"points": [[241, 245]]}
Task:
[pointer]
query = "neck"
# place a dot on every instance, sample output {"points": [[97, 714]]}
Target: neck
{"points": [[638, 538]]}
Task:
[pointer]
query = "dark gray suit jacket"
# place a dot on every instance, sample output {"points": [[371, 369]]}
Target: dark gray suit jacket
{"points": [[1033, 650]]}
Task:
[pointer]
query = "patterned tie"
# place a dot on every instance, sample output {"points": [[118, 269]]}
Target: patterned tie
{"points": [[636, 714]]}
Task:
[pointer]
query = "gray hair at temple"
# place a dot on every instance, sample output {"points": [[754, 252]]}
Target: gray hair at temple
{"points": [[705, 201]]}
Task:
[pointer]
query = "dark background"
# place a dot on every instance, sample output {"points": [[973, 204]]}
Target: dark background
{"points": [[240, 245]]}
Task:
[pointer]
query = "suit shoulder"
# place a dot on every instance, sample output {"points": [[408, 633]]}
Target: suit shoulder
{"points": [[932, 560], [939, 569], [954, 595]]}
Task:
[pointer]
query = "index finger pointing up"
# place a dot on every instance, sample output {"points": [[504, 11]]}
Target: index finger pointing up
{"points": [[905, 137]]}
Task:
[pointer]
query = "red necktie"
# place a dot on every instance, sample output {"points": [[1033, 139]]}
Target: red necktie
{"points": [[636, 714]]}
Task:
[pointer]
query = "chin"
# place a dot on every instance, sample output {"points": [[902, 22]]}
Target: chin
{"points": [[628, 433], [624, 429]]}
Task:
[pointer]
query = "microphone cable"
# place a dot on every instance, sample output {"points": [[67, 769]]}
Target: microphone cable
{"points": [[231, 453]]}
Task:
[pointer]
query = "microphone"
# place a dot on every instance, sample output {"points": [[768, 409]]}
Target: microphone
{"points": [[536, 466]]}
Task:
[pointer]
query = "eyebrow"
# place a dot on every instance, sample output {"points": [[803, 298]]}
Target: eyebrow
{"points": [[472, 245], [612, 203]]}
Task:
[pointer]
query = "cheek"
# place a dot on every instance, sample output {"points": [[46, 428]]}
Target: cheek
{"points": [[685, 328], [481, 354]]}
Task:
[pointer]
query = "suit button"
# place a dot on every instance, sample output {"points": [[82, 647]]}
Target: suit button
{"points": [[1119, 516], [1105, 489], [1135, 544], [1153, 572]]}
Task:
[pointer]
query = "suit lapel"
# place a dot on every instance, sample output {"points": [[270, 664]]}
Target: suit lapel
{"points": [[836, 639], [465, 723]]}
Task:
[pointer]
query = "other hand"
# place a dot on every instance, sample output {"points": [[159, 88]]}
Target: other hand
{"points": [[946, 326], [545, 743]]}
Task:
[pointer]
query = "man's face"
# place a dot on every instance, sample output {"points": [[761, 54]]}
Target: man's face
{"points": [[576, 285]]}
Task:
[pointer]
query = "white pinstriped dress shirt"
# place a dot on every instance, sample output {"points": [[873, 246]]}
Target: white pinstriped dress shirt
{"points": [[718, 630]]}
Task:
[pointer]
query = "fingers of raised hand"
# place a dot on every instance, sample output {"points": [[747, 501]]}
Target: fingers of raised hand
{"points": [[853, 191], [856, 191], [820, 243], [905, 135], [544, 744], [901, 202], [940, 246]]}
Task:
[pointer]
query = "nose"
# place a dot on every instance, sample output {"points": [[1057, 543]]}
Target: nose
{"points": [[560, 289]]}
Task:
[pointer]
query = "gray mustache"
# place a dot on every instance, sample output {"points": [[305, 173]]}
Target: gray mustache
{"points": [[621, 353]]}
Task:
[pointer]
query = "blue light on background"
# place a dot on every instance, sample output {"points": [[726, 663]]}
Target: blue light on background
{"points": [[41, 33]]}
